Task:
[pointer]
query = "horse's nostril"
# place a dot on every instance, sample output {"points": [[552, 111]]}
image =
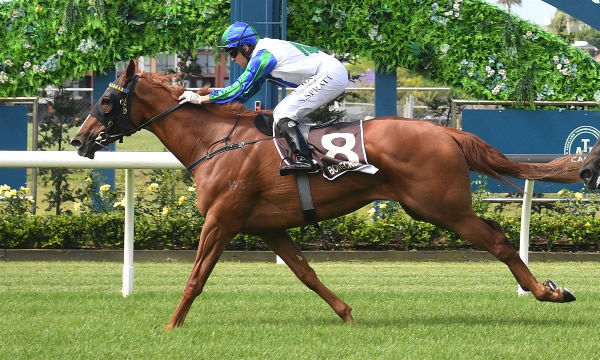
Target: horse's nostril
{"points": [[76, 142], [585, 173]]}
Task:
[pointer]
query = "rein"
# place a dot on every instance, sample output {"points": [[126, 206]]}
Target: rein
{"points": [[226, 147]]}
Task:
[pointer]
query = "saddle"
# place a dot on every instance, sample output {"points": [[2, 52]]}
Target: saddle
{"points": [[337, 148]]}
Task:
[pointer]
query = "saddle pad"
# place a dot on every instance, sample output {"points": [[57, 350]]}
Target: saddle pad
{"points": [[337, 149]]}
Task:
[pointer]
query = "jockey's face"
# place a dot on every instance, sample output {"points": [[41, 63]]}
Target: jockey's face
{"points": [[240, 59]]}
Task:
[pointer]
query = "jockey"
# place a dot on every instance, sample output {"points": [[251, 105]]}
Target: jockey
{"points": [[317, 77]]}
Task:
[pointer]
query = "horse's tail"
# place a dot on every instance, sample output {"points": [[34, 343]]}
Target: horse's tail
{"points": [[483, 158]]}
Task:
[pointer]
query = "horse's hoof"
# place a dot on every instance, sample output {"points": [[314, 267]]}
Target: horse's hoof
{"points": [[551, 284], [568, 295]]}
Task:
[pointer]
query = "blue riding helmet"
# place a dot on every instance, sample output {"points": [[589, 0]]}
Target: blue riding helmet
{"points": [[238, 34]]}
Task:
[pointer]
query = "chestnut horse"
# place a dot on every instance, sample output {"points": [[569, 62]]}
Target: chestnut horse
{"points": [[422, 166]]}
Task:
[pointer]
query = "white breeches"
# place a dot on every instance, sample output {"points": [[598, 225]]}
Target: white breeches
{"points": [[313, 93]]}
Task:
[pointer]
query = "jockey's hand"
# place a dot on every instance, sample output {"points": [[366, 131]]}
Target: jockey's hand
{"points": [[192, 97]]}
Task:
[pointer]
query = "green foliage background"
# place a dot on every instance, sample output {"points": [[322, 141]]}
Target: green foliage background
{"points": [[466, 44]]}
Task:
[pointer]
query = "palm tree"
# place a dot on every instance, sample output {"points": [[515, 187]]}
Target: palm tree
{"points": [[509, 3]]}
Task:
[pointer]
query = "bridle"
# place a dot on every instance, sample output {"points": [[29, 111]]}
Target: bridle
{"points": [[119, 124], [117, 121]]}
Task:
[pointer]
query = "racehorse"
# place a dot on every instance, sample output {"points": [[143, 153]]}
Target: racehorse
{"points": [[422, 166]]}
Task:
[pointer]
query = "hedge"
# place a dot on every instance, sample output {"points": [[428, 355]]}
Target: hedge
{"points": [[567, 232]]}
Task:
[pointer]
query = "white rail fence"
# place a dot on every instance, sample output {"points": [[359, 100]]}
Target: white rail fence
{"points": [[165, 160]]}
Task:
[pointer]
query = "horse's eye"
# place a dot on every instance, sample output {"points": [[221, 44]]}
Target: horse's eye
{"points": [[106, 105]]}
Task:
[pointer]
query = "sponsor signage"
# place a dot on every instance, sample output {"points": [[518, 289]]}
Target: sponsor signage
{"points": [[535, 132]]}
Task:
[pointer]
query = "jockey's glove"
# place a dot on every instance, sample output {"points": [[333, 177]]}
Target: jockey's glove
{"points": [[192, 97]]}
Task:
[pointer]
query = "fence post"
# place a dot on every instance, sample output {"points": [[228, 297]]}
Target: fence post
{"points": [[525, 219], [128, 271]]}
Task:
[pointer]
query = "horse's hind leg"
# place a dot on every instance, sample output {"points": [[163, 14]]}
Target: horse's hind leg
{"points": [[489, 235], [283, 245]]}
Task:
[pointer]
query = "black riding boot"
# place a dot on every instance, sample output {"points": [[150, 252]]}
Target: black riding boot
{"points": [[301, 156]]}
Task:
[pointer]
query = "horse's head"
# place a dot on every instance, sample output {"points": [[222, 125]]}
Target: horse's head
{"points": [[590, 170], [110, 118]]}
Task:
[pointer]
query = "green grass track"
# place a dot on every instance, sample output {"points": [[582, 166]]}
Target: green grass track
{"points": [[403, 310]]}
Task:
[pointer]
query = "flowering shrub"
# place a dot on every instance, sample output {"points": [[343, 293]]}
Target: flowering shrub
{"points": [[51, 41], [470, 45], [15, 202], [48, 42]]}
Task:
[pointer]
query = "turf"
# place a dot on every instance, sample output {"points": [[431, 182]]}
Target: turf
{"points": [[74, 310]]}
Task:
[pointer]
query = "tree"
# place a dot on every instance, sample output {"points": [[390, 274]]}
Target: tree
{"points": [[54, 130], [567, 27], [509, 3], [589, 34]]}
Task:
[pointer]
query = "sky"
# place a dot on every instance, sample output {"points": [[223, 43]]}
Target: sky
{"points": [[535, 11]]}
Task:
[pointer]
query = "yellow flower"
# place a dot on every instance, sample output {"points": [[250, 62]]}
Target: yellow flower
{"points": [[77, 206], [24, 190], [578, 196], [38, 9], [165, 211], [181, 200], [10, 193], [88, 180], [191, 189], [382, 205], [371, 211], [561, 192], [105, 188], [153, 187], [587, 224], [4, 188]]}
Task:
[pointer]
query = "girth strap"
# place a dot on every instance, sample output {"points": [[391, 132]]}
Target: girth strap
{"points": [[306, 200]]}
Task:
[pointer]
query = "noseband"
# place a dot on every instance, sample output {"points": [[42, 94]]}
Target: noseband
{"points": [[118, 121]]}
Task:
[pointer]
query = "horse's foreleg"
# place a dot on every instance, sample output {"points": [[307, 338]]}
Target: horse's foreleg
{"points": [[283, 245], [491, 237], [212, 242]]}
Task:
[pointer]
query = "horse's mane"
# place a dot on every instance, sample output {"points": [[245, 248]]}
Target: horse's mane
{"points": [[166, 81]]}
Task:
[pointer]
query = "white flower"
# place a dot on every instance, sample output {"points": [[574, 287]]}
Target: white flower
{"points": [[559, 66], [121, 203], [104, 188], [60, 53], [26, 65]]}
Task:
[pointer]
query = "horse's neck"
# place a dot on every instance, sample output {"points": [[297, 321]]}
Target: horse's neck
{"points": [[190, 132]]}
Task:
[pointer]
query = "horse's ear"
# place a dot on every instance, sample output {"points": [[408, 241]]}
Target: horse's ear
{"points": [[131, 69]]}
